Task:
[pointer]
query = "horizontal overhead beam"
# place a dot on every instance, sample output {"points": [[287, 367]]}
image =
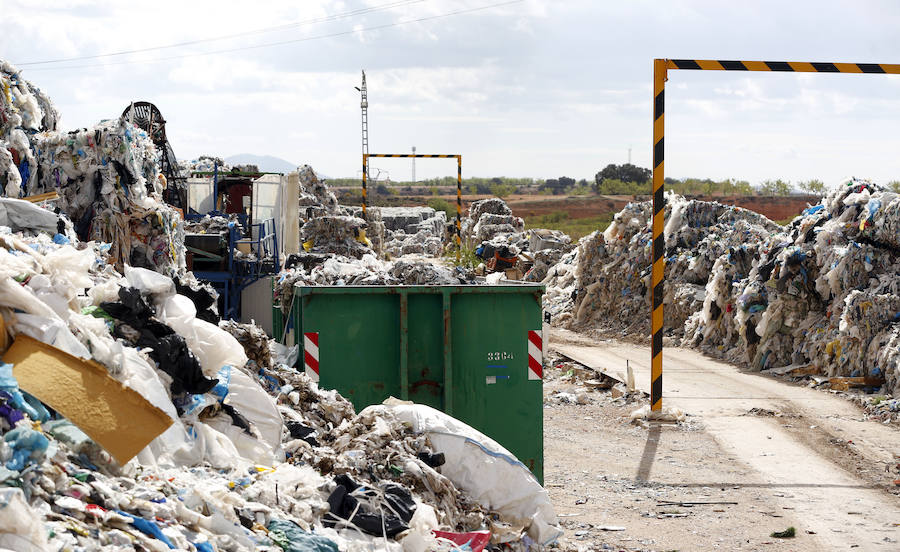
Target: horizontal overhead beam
{"points": [[425, 155], [784, 66]]}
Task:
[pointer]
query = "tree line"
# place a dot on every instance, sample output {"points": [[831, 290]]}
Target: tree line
{"points": [[630, 179], [624, 179]]}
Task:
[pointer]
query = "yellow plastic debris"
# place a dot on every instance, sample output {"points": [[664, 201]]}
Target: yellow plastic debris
{"points": [[116, 417]]}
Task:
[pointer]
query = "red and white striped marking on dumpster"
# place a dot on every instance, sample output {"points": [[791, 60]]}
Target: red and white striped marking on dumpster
{"points": [[535, 355], [311, 354]]}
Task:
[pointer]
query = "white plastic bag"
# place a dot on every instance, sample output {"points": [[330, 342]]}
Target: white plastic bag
{"points": [[252, 402], [149, 281], [52, 331], [478, 465], [19, 215], [21, 528], [212, 346]]}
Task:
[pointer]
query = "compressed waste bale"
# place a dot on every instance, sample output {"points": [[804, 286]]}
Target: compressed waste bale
{"points": [[424, 273], [413, 219], [338, 234], [498, 221], [542, 238], [546, 248], [413, 231], [493, 205]]}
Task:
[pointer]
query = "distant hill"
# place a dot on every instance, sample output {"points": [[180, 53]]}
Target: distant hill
{"points": [[266, 163]]}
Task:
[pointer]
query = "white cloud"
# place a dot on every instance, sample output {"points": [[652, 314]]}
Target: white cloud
{"points": [[538, 88]]}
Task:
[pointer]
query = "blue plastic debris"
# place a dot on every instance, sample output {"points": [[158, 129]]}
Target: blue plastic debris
{"points": [[21, 401], [27, 445], [148, 528]]}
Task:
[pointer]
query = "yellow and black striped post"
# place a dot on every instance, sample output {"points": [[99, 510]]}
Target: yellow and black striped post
{"points": [[458, 206], [657, 276], [365, 172], [660, 68]]}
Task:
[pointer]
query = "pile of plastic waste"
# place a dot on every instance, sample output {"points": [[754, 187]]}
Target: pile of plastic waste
{"points": [[204, 163], [131, 418], [612, 274], [560, 284], [209, 224], [366, 271], [821, 292], [24, 112], [546, 248], [203, 440], [315, 197], [107, 176]]}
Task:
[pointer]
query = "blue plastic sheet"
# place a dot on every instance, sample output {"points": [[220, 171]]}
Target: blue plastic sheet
{"points": [[148, 528]]}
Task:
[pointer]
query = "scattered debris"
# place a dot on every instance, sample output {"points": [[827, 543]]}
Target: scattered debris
{"points": [[666, 414], [788, 533], [693, 503]]}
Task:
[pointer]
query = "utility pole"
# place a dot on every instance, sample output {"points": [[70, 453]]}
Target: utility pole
{"points": [[414, 166], [629, 155]]}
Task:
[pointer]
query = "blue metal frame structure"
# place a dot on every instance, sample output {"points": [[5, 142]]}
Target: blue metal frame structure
{"points": [[240, 273]]}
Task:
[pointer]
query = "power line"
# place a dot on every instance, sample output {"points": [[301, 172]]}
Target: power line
{"points": [[292, 41], [326, 19]]}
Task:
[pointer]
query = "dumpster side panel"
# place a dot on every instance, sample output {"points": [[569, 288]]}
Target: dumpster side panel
{"points": [[491, 389], [358, 344], [425, 356], [361, 332]]}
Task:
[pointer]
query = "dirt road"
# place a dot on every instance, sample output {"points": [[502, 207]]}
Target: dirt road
{"points": [[780, 450]]}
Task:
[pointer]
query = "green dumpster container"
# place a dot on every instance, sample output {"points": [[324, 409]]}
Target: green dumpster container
{"points": [[461, 349]]}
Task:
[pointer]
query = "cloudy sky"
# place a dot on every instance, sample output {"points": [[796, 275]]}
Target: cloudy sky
{"points": [[533, 88]]}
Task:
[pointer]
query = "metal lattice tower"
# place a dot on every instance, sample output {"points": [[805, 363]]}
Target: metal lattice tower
{"points": [[364, 104]]}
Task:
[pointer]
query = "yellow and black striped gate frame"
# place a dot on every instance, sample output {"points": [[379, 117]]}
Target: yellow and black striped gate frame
{"points": [[660, 75], [458, 158]]}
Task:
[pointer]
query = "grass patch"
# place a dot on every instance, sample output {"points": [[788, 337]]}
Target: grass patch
{"points": [[441, 204], [574, 227], [465, 259]]}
